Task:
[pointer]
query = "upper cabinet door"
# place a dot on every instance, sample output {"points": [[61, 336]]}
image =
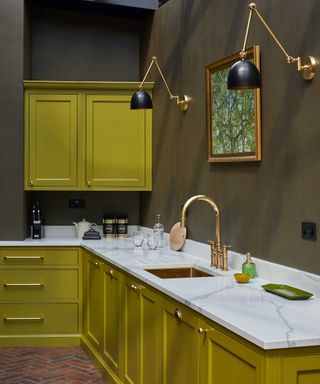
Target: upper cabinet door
{"points": [[52, 140], [84, 136], [118, 144]]}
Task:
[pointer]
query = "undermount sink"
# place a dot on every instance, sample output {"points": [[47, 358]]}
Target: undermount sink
{"points": [[178, 272]]}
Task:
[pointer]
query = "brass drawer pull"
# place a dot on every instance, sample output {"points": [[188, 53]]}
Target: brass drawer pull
{"points": [[8, 319], [203, 331], [7, 258], [40, 285], [178, 314]]}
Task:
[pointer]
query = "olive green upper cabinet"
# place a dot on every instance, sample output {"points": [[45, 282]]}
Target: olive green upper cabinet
{"points": [[84, 136], [117, 155], [52, 135]]}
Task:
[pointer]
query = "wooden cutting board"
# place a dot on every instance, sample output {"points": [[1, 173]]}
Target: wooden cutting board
{"points": [[177, 236]]}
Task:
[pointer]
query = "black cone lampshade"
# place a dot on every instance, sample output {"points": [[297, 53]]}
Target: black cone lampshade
{"points": [[141, 100], [243, 75]]}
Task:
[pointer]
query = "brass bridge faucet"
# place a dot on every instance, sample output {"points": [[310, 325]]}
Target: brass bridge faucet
{"points": [[219, 252]]}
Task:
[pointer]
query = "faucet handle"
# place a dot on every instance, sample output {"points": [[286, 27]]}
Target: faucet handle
{"points": [[214, 254], [225, 257]]}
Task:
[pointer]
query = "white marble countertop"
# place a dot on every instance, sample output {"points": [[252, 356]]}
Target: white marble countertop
{"points": [[267, 320]]}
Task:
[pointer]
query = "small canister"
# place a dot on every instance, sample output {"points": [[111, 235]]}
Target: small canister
{"points": [[122, 227], [109, 226]]}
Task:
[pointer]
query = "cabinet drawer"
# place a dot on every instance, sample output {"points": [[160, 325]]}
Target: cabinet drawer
{"points": [[19, 284], [24, 319], [38, 256]]}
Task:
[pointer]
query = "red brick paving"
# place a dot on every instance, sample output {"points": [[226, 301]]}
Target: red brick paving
{"points": [[47, 366]]}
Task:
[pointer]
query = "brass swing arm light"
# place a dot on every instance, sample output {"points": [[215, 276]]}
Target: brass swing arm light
{"points": [[251, 77], [142, 100]]}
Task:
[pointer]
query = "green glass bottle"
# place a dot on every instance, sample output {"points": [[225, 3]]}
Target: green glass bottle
{"points": [[249, 267]]}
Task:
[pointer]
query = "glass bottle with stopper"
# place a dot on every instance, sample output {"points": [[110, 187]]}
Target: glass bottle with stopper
{"points": [[158, 231]]}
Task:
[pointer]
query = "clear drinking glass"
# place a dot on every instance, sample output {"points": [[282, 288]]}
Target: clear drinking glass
{"points": [[152, 241], [138, 238]]}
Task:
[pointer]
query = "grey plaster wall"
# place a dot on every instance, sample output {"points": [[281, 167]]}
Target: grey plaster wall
{"points": [[73, 45], [56, 211], [262, 204], [12, 204]]}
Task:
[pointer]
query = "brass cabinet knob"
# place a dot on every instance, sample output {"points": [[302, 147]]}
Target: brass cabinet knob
{"points": [[31, 183], [178, 314], [204, 331], [136, 288], [89, 182], [111, 272]]}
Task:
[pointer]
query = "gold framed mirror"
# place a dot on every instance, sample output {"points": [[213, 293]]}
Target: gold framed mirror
{"points": [[233, 117]]}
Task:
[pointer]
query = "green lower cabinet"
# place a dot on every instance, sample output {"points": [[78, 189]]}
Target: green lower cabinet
{"points": [[93, 302], [40, 296], [140, 334], [180, 358], [137, 334], [131, 332], [112, 318], [227, 361], [38, 319], [120, 324], [300, 369], [149, 337]]}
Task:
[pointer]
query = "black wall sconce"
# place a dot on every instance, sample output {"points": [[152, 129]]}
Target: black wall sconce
{"points": [[142, 100], [245, 75]]}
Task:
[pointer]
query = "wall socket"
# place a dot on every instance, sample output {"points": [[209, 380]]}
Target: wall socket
{"points": [[308, 231], [76, 203]]}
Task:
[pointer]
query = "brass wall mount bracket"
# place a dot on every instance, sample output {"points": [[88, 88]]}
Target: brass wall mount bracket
{"points": [[305, 65], [183, 103]]}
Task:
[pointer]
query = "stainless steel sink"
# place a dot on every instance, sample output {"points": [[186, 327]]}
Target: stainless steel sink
{"points": [[178, 273]]}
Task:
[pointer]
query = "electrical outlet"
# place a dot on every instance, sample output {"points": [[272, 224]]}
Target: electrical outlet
{"points": [[76, 203], [308, 231]]}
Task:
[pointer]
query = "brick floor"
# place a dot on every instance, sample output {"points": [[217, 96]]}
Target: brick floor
{"points": [[47, 365]]}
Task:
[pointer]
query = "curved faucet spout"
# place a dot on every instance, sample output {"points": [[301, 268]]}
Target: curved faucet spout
{"points": [[213, 205], [219, 252]]}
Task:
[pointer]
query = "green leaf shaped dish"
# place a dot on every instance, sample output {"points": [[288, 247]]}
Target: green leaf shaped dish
{"points": [[286, 291]]}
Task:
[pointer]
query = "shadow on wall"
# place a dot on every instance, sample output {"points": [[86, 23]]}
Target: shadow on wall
{"points": [[262, 204], [56, 211]]}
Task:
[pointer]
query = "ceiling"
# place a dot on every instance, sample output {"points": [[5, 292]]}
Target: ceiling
{"points": [[134, 9]]}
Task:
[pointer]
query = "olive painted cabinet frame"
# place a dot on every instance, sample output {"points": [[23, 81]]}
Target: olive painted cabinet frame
{"points": [[133, 332], [40, 296], [84, 136], [138, 335]]}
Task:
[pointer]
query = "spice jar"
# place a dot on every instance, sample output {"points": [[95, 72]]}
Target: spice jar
{"points": [[109, 226], [122, 227]]}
